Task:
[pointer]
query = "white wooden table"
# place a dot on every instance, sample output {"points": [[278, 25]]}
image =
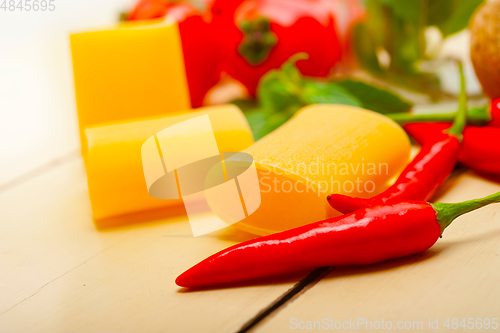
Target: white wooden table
{"points": [[59, 274]]}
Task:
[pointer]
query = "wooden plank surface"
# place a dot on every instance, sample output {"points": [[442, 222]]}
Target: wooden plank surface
{"points": [[59, 274]]}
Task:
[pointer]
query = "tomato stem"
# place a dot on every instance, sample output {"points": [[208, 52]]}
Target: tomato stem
{"points": [[258, 40]]}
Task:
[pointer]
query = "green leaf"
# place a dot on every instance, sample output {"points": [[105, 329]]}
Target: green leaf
{"points": [[459, 19], [375, 98], [408, 10], [439, 11], [246, 105], [282, 92], [279, 95], [327, 93], [257, 121], [280, 88], [273, 122], [262, 123]]}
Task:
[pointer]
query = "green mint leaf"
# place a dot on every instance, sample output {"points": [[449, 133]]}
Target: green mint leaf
{"points": [[262, 123], [246, 105], [257, 121], [439, 11], [282, 92], [327, 93], [460, 17], [408, 10], [375, 98], [280, 89]]}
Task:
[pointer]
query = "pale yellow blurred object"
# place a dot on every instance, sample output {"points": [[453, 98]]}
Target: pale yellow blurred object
{"points": [[183, 160], [129, 71], [306, 159], [114, 166]]}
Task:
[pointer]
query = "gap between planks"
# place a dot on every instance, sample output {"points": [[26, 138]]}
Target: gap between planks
{"points": [[65, 273], [38, 171], [302, 286]]}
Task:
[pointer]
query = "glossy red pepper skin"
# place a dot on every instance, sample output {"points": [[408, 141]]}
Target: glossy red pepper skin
{"points": [[479, 151], [428, 170], [418, 181], [495, 113], [200, 44], [366, 236], [298, 26]]}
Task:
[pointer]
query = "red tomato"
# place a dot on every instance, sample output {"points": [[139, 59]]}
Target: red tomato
{"points": [[224, 9], [278, 29], [149, 9], [275, 30]]}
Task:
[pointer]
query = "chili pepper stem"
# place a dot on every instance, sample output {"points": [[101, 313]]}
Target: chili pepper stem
{"points": [[461, 119], [477, 115], [447, 212]]}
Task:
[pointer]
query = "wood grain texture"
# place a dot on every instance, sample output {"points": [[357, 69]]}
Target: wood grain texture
{"points": [[59, 274], [457, 278]]}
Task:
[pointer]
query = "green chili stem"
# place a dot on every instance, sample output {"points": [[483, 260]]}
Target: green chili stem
{"points": [[477, 116], [447, 212], [461, 119]]}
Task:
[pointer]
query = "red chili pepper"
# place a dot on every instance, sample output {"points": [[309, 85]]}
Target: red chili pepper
{"points": [[269, 32], [199, 38], [479, 150], [418, 181], [364, 237], [495, 113], [424, 175]]}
